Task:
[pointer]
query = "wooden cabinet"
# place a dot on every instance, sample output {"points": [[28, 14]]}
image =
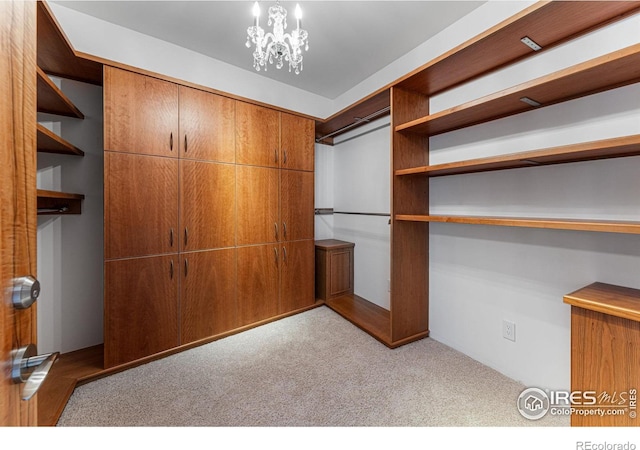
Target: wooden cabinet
{"points": [[297, 145], [605, 352], [297, 272], [334, 268], [258, 283], [207, 126], [141, 205], [296, 205], [141, 308], [257, 135], [258, 205], [140, 113], [207, 205], [208, 304]]}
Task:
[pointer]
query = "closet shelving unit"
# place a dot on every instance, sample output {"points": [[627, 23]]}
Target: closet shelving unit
{"points": [[548, 24], [55, 57]]}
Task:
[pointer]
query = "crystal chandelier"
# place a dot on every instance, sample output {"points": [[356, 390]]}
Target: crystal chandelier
{"points": [[277, 46]]}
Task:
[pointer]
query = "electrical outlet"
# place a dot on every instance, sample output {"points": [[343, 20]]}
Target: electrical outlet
{"points": [[509, 330]]}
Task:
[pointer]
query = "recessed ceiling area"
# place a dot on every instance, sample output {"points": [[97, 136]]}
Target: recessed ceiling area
{"points": [[348, 40]]}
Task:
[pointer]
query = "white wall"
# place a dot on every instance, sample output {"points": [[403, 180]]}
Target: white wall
{"points": [[70, 248], [323, 190]]}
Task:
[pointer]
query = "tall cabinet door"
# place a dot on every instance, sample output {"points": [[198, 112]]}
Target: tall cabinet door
{"points": [[257, 135], [296, 200], [140, 113], [258, 284], [141, 308], [297, 142], [258, 203], [297, 275], [141, 205], [208, 304], [207, 205], [207, 126]]}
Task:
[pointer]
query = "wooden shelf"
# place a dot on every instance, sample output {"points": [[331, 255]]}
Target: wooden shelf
{"points": [[51, 99], [609, 299], [52, 202], [547, 23], [49, 142], [365, 315], [604, 149], [57, 57], [610, 71], [603, 226]]}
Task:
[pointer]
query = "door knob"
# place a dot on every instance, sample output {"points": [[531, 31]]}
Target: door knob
{"points": [[26, 291], [30, 368]]}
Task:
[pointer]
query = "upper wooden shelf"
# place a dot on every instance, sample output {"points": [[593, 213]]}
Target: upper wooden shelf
{"points": [[603, 226], [546, 23], [52, 100], [53, 202], [57, 57], [587, 151], [610, 71], [607, 299], [49, 142]]}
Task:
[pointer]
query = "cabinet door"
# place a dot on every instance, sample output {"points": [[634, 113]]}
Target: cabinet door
{"points": [[258, 284], [141, 205], [258, 202], [297, 275], [140, 308], [207, 294], [296, 203], [207, 205], [207, 126], [140, 114], [257, 135], [297, 142]]}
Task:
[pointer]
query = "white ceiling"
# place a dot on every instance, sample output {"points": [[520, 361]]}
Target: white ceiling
{"points": [[348, 40]]}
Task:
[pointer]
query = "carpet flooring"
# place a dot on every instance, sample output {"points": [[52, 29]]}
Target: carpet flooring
{"points": [[313, 369]]}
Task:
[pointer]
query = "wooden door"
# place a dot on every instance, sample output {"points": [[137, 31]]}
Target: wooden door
{"points": [[257, 135], [258, 203], [297, 275], [18, 226], [207, 205], [258, 284], [140, 308], [297, 142], [207, 126], [141, 205], [296, 205], [140, 114], [208, 303]]}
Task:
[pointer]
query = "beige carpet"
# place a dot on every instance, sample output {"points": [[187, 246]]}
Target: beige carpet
{"points": [[313, 369]]}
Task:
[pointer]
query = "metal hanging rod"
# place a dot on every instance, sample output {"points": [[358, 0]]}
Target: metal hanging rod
{"points": [[359, 121], [325, 211]]}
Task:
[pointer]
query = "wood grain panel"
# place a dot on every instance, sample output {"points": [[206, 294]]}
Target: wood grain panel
{"points": [[297, 275], [608, 299], [364, 314], [140, 308], [52, 100], [257, 135], [141, 205], [207, 126], [334, 268], [207, 205], [296, 203], [297, 145], [605, 356], [18, 225], [49, 142], [208, 304], [258, 283], [258, 205], [140, 114]]}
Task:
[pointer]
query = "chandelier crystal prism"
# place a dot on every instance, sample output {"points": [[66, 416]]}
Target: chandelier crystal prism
{"points": [[277, 46]]}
